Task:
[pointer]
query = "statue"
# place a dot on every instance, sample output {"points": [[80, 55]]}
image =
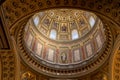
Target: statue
{"points": [[63, 57]]}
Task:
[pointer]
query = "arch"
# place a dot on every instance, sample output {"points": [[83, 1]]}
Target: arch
{"points": [[53, 34], [0, 69], [36, 20], [91, 21], [115, 61], [75, 34]]}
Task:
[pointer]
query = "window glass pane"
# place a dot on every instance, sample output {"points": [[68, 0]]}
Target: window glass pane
{"points": [[36, 20], [53, 34], [92, 21], [74, 34]]}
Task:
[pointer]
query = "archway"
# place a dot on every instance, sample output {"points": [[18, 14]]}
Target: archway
{"points": [[0, 69], [115, 59]]}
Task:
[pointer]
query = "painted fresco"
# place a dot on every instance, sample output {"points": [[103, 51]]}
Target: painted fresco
{"points": [[98, 40], [29, 40], [39, 48], [50, 54], [89, 49], [76, 55], [47, 21]]}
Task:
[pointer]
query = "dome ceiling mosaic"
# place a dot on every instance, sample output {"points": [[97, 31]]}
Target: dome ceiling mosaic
{"points": [[64, 36]]}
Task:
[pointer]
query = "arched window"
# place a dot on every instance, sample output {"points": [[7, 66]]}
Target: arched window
{"points": [[36, 21], [53, 34], [74, 34], [92, 21]]}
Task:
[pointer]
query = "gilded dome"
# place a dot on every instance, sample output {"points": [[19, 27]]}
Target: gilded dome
{"points": [[64, 36]]}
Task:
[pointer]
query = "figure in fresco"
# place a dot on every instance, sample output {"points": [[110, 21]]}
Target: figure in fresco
{"points": [[73, 25], [55, 24], [64, 28], [82, 23], [63, 57], [47, 22]]}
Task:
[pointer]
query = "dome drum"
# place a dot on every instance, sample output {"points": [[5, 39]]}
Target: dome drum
{"points": [[43, 46]]}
